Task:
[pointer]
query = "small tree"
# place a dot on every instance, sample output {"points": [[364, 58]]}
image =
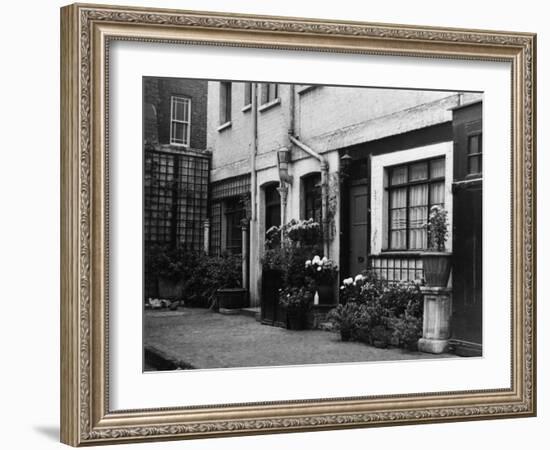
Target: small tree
{"points": [[437, 228]]}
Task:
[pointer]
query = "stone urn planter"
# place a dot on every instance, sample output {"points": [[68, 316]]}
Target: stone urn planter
{"points": [[437, 268], [231, 298]]}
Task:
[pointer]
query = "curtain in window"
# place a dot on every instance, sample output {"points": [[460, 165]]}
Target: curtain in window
{"points": [[398, 218], [437, 194], [418, 214]]}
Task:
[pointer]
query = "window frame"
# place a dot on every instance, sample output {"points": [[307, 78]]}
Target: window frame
{"points": [[478, 154], [173, 100], [247, 94], [305, 180], [429, 181], [266, 91], [225, 103], [232, 209]]}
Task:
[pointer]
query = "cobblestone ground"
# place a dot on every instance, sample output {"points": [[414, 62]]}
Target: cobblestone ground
{"points": [[205, 339]]}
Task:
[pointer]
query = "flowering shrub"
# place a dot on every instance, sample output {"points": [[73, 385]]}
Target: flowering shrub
{"points": [[289, 246], [437, 228], [347, 318], [321, 270], [383, 311], [304, 232], [295, 298]]}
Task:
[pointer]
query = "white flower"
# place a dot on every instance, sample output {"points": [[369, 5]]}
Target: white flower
{"points": [[348, 281], [325, 259], [319, 269], [358, 278], [308, 263], [316, 259]]}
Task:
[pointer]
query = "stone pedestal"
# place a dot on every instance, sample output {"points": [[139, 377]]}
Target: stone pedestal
{"points": [[437, 320]]}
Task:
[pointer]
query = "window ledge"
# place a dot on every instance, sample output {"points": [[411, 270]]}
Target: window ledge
{"points": [[175, 144], [224, 126], [269, 105], [397, 253], [307, 89], [247, 108]]}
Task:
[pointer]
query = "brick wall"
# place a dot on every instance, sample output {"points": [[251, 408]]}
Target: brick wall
{"points": [[157, 95]]}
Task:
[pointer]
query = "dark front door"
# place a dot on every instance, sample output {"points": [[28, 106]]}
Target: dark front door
{"points": [[467, 266], [358, 221], [271, 279]]}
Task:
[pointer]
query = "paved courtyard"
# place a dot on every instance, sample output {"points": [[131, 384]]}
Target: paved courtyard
{"points": [[203, 339]]}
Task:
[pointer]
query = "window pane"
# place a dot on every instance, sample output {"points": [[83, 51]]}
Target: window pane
{"points": [[265, 92], [247, 93], [474, 164], [437, 193], [398, 219], [437, 168], [184, 133], [177, 132], [473, 144], [398, 240], [273, 88], [419, 195], [398, 175], [418, 216], [185, 108], [312, 190], [418, 238], [418, 171], [398, 198], [225, 102]]}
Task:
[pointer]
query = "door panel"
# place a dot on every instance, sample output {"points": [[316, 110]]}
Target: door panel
{"points": [[358, 222]]}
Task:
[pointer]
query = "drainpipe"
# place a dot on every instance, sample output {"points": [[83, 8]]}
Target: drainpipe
{"points": [[324, 188], [253, 153]]}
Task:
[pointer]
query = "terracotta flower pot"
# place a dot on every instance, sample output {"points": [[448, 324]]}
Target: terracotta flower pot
{"points": [[437, 268]]}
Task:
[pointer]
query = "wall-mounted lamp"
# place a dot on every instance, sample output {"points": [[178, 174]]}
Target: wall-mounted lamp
{"points": [[345, 164], [283, 159]]}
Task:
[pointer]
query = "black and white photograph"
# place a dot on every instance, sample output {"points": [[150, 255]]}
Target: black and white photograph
{"points": [[294, 224]]}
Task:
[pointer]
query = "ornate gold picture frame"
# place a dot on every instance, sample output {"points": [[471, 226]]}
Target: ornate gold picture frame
{"points": [[87, 31]]}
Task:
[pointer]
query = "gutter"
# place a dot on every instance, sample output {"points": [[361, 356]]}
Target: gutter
{"points": [[324, 188]]}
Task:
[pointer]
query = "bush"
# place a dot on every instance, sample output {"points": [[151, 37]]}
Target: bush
{"points": [[382, 311], [295, 299], [202, 275]]}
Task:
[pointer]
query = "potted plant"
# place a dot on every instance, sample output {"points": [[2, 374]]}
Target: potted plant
{"points": [[381, 336], [345, 318], [296, 301], [436, 261], [225, 272], [323, 273], [165, 265]]}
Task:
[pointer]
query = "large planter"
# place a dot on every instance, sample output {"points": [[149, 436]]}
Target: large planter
{"points": [[271, 312], [326, 294], [437, 268], [295, 320], [232, 298], [170, 289]]}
